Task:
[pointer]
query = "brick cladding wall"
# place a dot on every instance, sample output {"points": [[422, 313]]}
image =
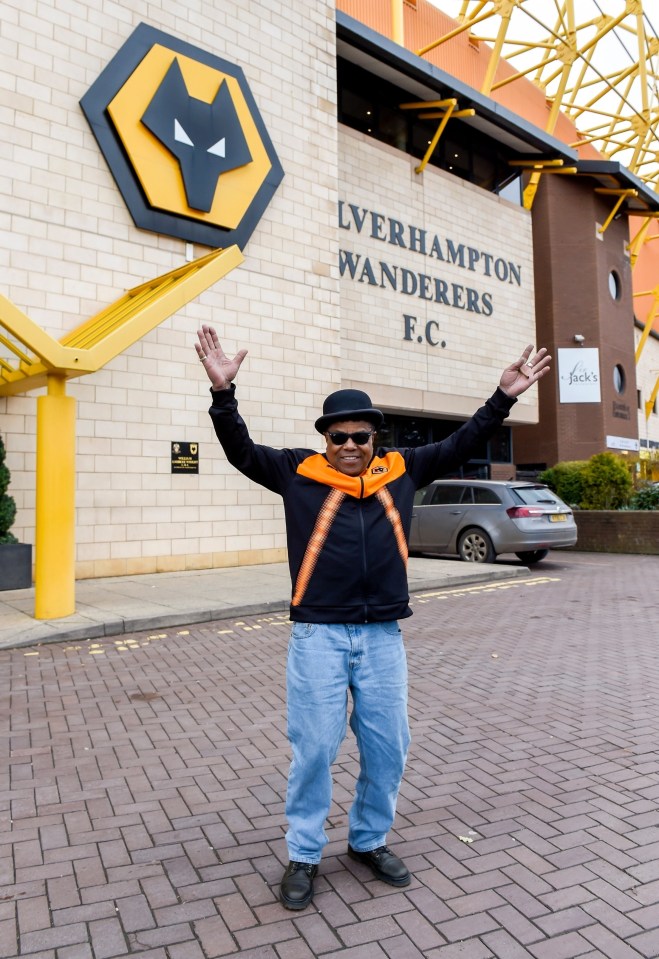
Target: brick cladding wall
{"points": [[68, 248], [606, 531]]}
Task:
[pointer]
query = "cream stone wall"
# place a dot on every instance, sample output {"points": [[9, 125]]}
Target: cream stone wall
{"points": [[380, 190], [647, 371], [68, 248]]}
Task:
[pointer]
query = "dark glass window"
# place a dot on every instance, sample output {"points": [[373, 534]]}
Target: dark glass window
{"points": [[619, 379], [484, 495], [408, 432], [372, 105], [500, 446], [535, 494], [447, 495]]}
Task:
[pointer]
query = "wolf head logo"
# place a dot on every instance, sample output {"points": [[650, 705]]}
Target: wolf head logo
{"points": [[206, 138], [184, 140]]}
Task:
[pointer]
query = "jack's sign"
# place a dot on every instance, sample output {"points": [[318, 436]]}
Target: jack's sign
{"points": [[579, 375], [184, 140]]}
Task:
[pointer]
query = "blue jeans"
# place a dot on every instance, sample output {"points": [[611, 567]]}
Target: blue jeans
{"points": [[324, 662]]}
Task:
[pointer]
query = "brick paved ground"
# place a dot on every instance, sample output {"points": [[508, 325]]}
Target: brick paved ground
{"points": [[142, 787]]}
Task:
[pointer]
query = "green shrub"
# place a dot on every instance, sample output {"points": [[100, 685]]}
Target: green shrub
{"points": [[566, 480], [645, 498], [606, 483], [7, 504]]}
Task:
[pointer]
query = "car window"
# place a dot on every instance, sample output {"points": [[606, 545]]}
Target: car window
{"points": [[536, 494], [443, 495], [419, 495], [484, 495]]}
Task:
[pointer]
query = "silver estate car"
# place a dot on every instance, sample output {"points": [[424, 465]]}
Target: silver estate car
{"points": [[478, 519]]}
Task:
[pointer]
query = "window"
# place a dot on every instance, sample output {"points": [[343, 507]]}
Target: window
{"points": [[619, 379], [484, 495], [408, 432], [372, 105], [447, 495], [615, 287], [534, 494]]}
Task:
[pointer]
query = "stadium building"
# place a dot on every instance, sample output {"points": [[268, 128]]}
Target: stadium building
{"points": [[364, 194]]}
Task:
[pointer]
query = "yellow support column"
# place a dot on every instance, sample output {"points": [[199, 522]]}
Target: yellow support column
{"points": [[397, 27], [54, 594]]}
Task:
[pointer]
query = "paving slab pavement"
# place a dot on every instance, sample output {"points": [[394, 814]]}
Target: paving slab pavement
{"points": [[122, 604], [143, 784]]}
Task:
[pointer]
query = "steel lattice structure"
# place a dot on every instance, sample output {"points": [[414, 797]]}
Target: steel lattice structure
{"points": [[596, 61]]}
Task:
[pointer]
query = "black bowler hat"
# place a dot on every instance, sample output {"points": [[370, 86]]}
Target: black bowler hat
{"points": [[348, 405]]}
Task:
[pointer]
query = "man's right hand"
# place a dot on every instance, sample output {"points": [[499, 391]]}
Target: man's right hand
{"points": [[220, 368]]}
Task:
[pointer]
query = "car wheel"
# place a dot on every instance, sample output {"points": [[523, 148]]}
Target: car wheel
{"points": [[475, 546], [532, 556]]}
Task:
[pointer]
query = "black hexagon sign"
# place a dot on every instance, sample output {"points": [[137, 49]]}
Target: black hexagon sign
{"points": [[184, 140]]}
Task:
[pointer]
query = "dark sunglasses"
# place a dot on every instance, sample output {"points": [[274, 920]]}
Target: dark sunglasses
{"points": [[361, 437]]}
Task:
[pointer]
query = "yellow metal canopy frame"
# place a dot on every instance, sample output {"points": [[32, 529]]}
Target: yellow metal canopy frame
{"points": [[31, 358], [37, 355]]}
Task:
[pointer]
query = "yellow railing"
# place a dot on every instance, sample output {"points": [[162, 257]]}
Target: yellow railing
{"points": [[36, 359]]}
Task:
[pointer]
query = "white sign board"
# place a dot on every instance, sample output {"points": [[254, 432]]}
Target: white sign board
{"points": [[579, 375], [622, 443]]}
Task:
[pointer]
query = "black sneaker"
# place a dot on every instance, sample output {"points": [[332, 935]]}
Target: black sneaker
{"points": [[384, 864], [296, 889]]}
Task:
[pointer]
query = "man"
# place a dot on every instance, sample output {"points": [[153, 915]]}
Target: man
{"points": [[348, 513]]}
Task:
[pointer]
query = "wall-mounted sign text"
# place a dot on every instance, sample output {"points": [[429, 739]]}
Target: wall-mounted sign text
{"points": [[579, 375], [623, 443], [430, 285], [185, 457]]}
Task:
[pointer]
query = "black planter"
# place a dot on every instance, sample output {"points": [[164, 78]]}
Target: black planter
{"points": [[15, 565]]}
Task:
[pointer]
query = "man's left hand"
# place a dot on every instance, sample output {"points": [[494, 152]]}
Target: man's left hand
{"points": [[525, 371]]}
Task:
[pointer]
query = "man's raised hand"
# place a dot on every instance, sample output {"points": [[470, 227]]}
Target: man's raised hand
{"points": [[220, 368], [525, 371]]}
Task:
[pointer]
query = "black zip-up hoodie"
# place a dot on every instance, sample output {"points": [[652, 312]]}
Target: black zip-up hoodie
{"points": [[347, 536]]}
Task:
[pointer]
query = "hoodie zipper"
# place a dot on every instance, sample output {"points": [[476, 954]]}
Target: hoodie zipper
{"points": [[363, 531]]}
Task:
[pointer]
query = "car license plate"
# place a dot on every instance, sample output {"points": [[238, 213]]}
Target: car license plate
{"points": [[557, 518]]}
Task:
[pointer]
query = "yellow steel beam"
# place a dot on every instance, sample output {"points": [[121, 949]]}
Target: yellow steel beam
{"points": [[642, 65], [649, 321], [447, 110], [513, 77], [435, 140], [41, 359], [537, 164], [98, 340], [495, 56], [469, 112], [649, 403], [397, 24], [567, 55], [465, 25], [622, 196], [536, 168], [571, 63], [27, 332]]}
